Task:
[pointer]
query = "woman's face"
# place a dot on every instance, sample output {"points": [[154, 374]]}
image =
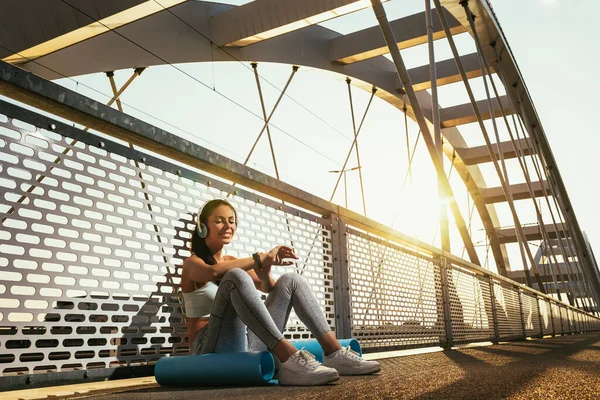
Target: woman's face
{"points": [[221, 225]]}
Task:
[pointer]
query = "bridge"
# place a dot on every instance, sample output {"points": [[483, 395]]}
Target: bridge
{"points": [[98, 202]]}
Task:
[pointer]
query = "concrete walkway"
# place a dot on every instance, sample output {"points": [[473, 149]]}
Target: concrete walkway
{"points": [[565, 367]]}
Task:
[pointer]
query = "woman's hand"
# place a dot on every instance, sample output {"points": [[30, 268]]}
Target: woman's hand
{"points": [[276, 255]]}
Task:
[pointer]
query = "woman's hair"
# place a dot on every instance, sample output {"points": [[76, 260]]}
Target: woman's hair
{"points": [[199, 247]]}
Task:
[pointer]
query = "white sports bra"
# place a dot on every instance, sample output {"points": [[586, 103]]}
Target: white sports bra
{"points": [[198, 303]]}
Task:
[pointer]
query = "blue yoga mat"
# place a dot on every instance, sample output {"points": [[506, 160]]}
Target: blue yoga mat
{"points": [[244, 369], [239, 369], [313, 347]]}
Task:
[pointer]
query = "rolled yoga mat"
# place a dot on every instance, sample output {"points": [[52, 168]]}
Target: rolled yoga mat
{"points": [[243, 369], [313, 347]]}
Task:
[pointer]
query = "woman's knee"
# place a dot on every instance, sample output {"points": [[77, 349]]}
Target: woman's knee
{"points": [[292, 279], [238, 276]]}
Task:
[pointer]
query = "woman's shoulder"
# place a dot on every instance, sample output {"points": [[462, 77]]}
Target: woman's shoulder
{"points": [[192, 260], [229, 258]]}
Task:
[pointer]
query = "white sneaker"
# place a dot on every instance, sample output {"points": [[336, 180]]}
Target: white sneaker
{"points": [[348, 362], [302, 369]]}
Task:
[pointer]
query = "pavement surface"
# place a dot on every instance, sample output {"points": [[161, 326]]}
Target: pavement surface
{"points": [[565, 367]]}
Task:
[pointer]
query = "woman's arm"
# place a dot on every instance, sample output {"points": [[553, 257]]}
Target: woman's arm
{"points": [[198, 271], [195, 269]]}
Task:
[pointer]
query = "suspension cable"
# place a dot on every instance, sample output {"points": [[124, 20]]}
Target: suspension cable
{"points": [[199, 81], [557, 204], [362, 189], [577, 283], [373, 91], [519, 232], [538, 169], [224, 49], [541, 225]]}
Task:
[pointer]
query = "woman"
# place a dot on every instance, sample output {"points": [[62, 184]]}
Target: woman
{"points": [[219, 313]]}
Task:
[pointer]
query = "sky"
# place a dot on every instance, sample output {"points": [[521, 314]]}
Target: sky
{"points": [[554, 44], [552, 41]]}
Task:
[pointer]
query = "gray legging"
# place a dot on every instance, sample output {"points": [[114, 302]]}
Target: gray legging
{"points": [[238, 305]]}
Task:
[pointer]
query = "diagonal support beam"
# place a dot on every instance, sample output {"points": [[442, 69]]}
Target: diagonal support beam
{"points": [[503, 177], [444, 184], [368, 43], [464, 113]]}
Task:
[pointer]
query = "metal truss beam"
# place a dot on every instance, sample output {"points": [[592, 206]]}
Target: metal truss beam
{"points": [[169, 37], [532, 232], [57, 18], [368, 43], [264, 19], [464, 114], [519, 276], [446, 72], [490, 33], [519, 191], [480, 154]]}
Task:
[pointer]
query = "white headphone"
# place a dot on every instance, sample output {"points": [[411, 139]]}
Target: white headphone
{"points": [[201, 228]]}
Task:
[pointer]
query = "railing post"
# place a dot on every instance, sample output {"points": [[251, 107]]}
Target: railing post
{"points": [[552, 319], [537, 300], [446, 306], [496, 338], [569, 321], [341, 278], [521, 311], [562, 325]]}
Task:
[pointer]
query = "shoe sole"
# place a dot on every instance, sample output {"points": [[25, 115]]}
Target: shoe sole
{"points": [[314, 381], [364, 372]]}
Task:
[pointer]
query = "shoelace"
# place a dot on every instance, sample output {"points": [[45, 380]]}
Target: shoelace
{"points": [[351, 353], [307, 359]]}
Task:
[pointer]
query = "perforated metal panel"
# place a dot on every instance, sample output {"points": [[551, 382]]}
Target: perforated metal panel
{"points": [[395, 293], [531, 315], [90, 247], [93, 234], [546, 317], [470, 305], [508, 311]]}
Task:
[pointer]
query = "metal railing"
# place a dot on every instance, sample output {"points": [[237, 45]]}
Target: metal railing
{"points": [[93, 234]]}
